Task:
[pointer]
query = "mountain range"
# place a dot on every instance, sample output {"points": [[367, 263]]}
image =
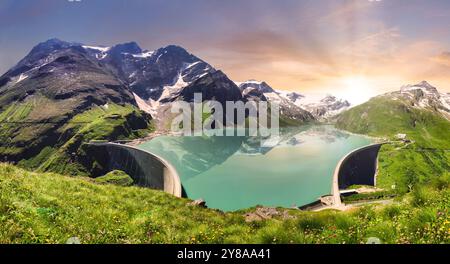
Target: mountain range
{"points": [[62, 89], [420, 111], [126, 73]]}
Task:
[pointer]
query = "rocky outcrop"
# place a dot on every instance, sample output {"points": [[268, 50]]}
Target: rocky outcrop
{"points": [[265, 213]]}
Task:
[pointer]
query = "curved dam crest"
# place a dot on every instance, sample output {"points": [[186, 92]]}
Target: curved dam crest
{"points": [[358, 167], [145, 168]]}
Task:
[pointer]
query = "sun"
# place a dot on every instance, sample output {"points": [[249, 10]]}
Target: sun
{"points": [[357, 89]]}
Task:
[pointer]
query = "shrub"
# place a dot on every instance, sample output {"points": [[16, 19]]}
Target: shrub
{"points": [[441, 182], [384, 231], [116, 177], [314, 221], [344, 222], [392, 211]]}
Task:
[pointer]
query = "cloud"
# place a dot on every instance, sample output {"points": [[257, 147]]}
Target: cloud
{"points": [[382, 44], [442, 59]]}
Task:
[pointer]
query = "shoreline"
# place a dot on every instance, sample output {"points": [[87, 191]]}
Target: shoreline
{"points": [[330, 201]]}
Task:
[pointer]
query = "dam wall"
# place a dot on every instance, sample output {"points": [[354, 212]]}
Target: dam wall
{"points": [[145, 168], [357, 168]]}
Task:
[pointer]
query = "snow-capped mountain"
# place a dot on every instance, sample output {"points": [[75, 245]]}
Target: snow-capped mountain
{"points": [[150, 79], [154, 77], [414, 112], [425, 96], [321, 110], [51, 85], [61, 70], [326, 108], [150, 73], [165, 75], [257, 90]]}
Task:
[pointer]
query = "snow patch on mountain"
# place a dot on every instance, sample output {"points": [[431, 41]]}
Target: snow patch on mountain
{"points": [[423, 96], [259, 90], [327, 107], [190, 65], [148, 107], [21, 78], [445, 100], [99, 51], [170, 90], [322, 108], [102, 49], [143, 55]]}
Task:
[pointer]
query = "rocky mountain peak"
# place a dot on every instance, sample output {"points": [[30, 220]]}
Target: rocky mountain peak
{"points": [[331, 100], [424, 86], [39, 55], [155, 78], [260, 90], [327, 107], [293, 96], [422, 96], [174, 49], [262, 86], [129, 47], [51, 45]]}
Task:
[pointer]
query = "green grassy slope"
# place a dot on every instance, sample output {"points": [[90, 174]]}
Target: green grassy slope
{"points": [[116, 177], [403, 166], [14, 135], [69, 154], [51, 208], [384, 117]]}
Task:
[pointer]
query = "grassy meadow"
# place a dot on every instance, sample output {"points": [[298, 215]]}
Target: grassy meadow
{"points": [[51, 208]]}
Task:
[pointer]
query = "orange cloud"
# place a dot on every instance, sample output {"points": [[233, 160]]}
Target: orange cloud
{"points": [[443, 59]]}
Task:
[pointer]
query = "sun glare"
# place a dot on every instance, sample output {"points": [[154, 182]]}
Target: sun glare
{"points": [[357, 89]]}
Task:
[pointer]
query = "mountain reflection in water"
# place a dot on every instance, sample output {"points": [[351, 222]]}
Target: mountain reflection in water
{"points": [[240, 171]]}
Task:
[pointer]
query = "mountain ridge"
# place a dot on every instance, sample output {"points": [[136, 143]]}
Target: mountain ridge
{"points": [[419, 110], [161, 76]]}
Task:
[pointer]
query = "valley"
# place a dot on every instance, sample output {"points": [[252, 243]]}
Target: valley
{"points": [[63, 95]]}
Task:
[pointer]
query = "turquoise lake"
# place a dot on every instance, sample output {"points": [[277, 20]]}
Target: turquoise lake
{"points": [[231, 173]]}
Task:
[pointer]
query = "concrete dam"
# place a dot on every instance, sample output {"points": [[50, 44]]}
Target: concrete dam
{"points": [[146, 169], [359, 167], [150, 170]]}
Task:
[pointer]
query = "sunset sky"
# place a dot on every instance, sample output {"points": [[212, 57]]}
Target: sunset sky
{"points": [[349, 48]]}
